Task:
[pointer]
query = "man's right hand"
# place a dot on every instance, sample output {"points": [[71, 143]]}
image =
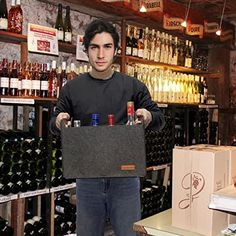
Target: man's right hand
{"points": [[62, 116]]}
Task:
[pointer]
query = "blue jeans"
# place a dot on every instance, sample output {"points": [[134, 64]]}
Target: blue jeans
{"points": [[99, 199]]}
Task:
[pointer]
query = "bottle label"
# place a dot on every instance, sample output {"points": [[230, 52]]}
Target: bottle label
{"points": [[135, 52], [19, 84], [3, 24], [68, 36], [14, 82], [26, 84], [4, 82], [140, 53], [36, 84], [44, 85], [60, 34]]}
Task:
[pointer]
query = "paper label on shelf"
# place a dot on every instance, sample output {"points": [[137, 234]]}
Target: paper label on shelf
{"points": [[63, 187], [80, 54], [3, 24], [42, 39], [34, 193], [18, 100], [8, 198]]}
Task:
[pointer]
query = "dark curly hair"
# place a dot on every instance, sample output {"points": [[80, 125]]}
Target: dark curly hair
{"points": [[99, 26]]}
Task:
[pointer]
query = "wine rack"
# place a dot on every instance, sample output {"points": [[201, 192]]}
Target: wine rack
{"points": [[180, 121]]}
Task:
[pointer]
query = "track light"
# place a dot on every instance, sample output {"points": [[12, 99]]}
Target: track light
{"points": [[219, 31], [184, 23]]}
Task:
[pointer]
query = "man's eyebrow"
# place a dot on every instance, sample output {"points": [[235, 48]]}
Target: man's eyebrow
{"points": [[96, 45]]}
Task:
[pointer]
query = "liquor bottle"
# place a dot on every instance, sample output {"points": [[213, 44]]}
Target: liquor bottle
{"points": [[152, 44], [128, 41], [11, 17], [59, 24], [71, 75], [20, 74], [63, 74], [157, 47], [95, 119], [4, 82], [111, 119], [140, 44], [134, 42], [14, 79], [44, 81], [52, 86], [18, 18], [130, 113], [36, 81], [3, 15], [201, 90], [205, 90], [26, 82], [67, 26]]}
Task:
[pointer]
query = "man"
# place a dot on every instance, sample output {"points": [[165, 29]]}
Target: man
{"points": [[104, 91]]}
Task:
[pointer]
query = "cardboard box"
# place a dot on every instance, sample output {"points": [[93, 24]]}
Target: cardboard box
{"points": [[198, 171]]}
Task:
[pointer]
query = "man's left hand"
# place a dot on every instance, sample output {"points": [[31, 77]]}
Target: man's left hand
{"points": [[145, 115]]}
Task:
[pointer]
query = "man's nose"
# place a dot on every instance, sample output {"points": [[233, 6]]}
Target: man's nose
{"points": [[101, 53]]}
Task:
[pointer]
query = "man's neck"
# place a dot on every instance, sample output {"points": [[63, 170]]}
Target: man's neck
{"points": [[102, 74]]}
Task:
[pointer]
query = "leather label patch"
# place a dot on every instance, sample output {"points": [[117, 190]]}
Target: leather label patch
{"points": [[128, 167]]}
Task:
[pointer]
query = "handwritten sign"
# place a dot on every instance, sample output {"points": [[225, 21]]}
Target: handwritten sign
{"points": [[194, 29], [152, 5], [172, 23], [211, 27]]}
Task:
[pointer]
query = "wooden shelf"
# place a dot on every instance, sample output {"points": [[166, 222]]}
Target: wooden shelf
{"points": [[130, 59], [7, 100], [206, 106], [66, 47], [9, 37]]}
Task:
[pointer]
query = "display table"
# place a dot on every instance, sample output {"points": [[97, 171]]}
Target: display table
{"points": [[160, 225]]}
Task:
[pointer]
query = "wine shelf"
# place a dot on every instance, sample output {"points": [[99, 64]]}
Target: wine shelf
{"points": [[38, 192], [9, 37], [206, 106], [213, 75], [26, 100]]}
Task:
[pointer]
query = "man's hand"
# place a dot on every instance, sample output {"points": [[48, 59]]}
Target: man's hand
{"points": [[63, 116], [145, 115]]}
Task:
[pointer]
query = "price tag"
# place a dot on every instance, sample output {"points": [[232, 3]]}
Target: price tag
{"points": [[8, 198], [63, 187], [17, 100], [34, 193]]}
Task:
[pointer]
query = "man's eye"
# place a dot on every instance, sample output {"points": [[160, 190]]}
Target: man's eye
{"points": [[108, 46]]}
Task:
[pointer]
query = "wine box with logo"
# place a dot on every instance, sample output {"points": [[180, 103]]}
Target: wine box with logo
{"points": [[198, 171]]}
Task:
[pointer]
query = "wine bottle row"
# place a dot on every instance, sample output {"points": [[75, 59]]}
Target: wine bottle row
{"points": [[57, 172], [168, 86], [35, 226], [5, 229], [11, 21], [159, 145], [65, 215], [23, 164], [154, 199], [151, 44]]}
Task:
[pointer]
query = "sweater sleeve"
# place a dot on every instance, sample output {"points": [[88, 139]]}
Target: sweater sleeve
{"points": [[63, 105], [143, 99]]}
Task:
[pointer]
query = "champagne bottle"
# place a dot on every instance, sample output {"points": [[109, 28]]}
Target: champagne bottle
{"points": [[3, 15], [67, 26], [59, 24]]}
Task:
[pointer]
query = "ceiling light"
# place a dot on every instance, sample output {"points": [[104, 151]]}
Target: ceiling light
{"points": [[219, 31], [184, 23], [143, 8]]}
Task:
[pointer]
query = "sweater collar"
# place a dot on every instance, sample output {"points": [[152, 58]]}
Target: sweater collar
{"points": [[104, 75]]}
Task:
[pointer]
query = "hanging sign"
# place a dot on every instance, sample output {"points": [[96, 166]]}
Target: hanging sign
{"points": [[172, 23], [194, 29], [128, 1], [80, 54], [211, 27], [226, 35], [152, 5], [42, 39]]}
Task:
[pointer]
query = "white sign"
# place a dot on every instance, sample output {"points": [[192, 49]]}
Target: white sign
{"points": [[80, 54], [152, 5], [42, 39]]}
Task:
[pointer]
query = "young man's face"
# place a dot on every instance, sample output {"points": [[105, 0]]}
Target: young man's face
{"points": [[101, 51]]}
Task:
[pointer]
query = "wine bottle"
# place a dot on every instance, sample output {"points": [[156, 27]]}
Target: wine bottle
{"points": [[44, 81], [4, 82], [14, 79], [11, 17], [63, 74], [52, 83], [67, 26], [128, 42], [130, 113], [18, 18], [3, 15], [59, 24]]}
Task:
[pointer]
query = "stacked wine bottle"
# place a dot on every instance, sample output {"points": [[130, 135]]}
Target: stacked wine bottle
{"points": [[203, 126], [23, 163], [57, 174], [154, 199], [159, 145], [36, 226], [5, 229], [65, 215]]}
